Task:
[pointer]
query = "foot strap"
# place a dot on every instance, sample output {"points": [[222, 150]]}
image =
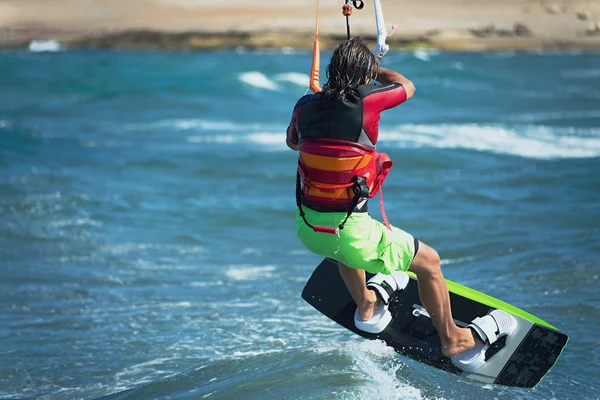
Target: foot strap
{"points": [[386, 285], [493, 326]]}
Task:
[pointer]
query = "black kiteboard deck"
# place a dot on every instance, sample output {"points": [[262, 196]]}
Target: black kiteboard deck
{"points": [[520, 361]]}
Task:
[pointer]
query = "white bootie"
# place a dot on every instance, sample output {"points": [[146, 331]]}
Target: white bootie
{"points": [[489, 328], [384, 286]]}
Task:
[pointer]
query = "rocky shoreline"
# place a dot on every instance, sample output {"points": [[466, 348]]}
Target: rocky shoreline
{"points": [[487, 38], [466, 25]]}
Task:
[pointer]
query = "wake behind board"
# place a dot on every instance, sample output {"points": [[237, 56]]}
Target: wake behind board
{"points": [[522, 360]]}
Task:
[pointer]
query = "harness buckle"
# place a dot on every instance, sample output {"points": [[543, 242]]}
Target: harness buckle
{"points": [[360, 188]]}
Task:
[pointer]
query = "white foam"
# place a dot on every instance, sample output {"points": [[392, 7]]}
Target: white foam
{"points": [[189, 249], [191, 124], [258, 79], [294, 77], [226, 139], [114, 279], [272, 139], [125, 248], [449, 261], [372, 360], [250, 305], [210, 283], [288, 51], [179, 304], [425, 54], [82, 221], [138, 368], [251, 251], [245, 273], [244, 354], [421, 55], [201, 125], [37, 46], [532, 142]]}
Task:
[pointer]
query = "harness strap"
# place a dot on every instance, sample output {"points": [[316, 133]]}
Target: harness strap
{"points": [[385, 164], [360, 190], [382, 207]]}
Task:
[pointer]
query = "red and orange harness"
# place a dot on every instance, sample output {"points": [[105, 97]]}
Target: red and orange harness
{"points": [[336, 174]]}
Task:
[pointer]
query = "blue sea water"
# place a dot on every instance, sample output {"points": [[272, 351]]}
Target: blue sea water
{"points": [[148, 248]]}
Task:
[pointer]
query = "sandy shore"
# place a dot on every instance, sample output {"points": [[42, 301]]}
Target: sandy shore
{"points": [[207, 24]]}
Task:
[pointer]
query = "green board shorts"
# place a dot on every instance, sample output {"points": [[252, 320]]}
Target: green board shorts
{"points": [[364, 243]]}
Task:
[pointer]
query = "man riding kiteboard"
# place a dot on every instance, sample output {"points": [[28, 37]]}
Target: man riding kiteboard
{"points": [[336, 132]]}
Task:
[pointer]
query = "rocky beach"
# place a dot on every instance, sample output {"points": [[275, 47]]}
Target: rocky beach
{"points": [[471, 25]]}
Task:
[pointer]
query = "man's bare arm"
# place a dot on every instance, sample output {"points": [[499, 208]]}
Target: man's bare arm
{"points": [[291, 145], [291, 138], [386, 76]]}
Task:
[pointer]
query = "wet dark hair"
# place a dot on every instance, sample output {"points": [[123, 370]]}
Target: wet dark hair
{"points": [[351, 63]]}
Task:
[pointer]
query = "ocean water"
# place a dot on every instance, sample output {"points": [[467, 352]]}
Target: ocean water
{"points": [[148, 248]]}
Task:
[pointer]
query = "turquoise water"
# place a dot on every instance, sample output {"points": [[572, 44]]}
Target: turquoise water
{"points": [[148, 249]]}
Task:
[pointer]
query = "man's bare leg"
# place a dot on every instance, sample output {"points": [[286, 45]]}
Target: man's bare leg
{"points": [[356, 282], [436, 299]]}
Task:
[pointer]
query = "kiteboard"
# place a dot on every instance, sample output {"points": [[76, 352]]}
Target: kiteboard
{"points": [[520, 361]]}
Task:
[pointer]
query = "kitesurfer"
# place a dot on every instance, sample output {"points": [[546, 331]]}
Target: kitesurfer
{"points": [[335, 132]]}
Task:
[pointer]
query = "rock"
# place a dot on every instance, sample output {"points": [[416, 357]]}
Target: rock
{"points": [[521, 30], [432, 32], [486, 31], [504, 33], [518, 30], [583, 15]]}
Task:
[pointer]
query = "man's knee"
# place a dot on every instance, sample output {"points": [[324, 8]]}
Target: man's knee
{"points": [[426, 262]]}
